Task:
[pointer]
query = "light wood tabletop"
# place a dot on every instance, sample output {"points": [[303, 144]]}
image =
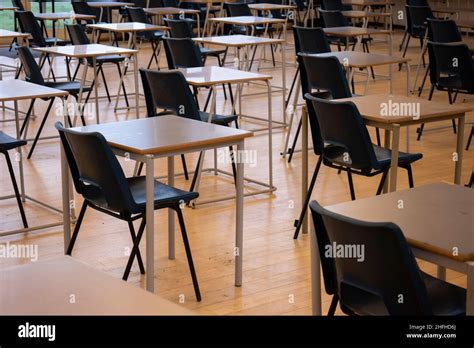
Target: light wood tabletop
{"points": [[364, 14], [8, 8], [164, 134], [63, 15], [127, 27], [109, 4], [162, 11], [238, 40], [11, 90], [354, 31], [370, 107], [247, 20], [465, 23], [358, 59], [8, 34], [215, 75], [270, 7], [65, 286], [437, 217], [85, 51]]}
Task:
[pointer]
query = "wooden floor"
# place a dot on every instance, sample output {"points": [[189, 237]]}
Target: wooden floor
{"points": [[276, 267]]}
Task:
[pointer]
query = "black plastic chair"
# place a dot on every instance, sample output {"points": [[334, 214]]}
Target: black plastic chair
{"points": [[33, 75], [169, 90], [333, 19], [82, 7], [416, 17], [238, 9], [182, 29], [448, 77], [440, 30], [29, 24], [411, 3], [342, 141], [368, 288], [184, 53], [137, 14], [334, 5], [8, 143], [79, 37], [19, 7], [100, 180]]}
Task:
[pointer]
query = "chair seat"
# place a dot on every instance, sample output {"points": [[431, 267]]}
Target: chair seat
{"points": [[222, 120], [210, 52], [164, 195], [70, 87], [454, 83], [7, 142], [148, 35], [445, 298], [336, 155], [245, 30], [114, 58]]}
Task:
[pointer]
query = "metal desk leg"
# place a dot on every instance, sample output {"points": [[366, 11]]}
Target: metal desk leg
{"points": [[171, 219], [441, 272], [394, 164], [65, 197], [459, 150], [96, 91], [315, 274], [135, 72], [270, 136], [19, 154], [283, 78], [304, 164], [150, 224], [239, 216]]}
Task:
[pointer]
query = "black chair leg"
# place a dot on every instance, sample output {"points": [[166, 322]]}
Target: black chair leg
{"points": [[299, 222], [469, 139], [101, 71], [411, 184], [27, 117], [193, 182], [139, 255], [123, 85], [377, 132], [15, 188], [135, 250], [382, 182], [76, 228], [40, 128], [287, 101], [351, 185], [185, 167], [333, 306], [188, 254], [232, 160], [291, 150]]}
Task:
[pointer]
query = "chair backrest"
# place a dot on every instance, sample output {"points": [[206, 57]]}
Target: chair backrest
{"points": [[18, 4], [417, 2], [237, 9], [168, 90], [139, 3], [77, 34], [137, 14], [344, 132], [95, 170], [155, 3], [310, 40], [29, 24], [386, 272], [183, 53], [453, 61], [180, 28], [443, 31], [82, 7], [170, 3], [417, 17], [328, 264], [332, 5], [325, 73], [333, 19], [31, 68]]}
